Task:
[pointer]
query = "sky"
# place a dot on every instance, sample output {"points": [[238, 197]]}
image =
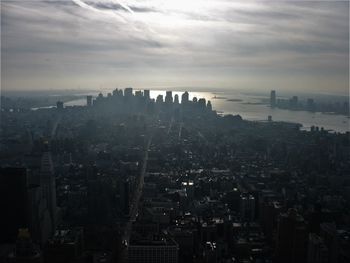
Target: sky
{"points": [[175, 44]]}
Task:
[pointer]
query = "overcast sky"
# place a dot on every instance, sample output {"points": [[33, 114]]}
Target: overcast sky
{"points": [[201, 44]]}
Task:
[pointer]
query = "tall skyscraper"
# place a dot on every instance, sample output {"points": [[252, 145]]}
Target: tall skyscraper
{"points": [[59, 105], [185, 97], [25, 205], [89, 101], [328, 231], [159, 99], [209, 106], [146, 93], [202, 103], [273, 98], [317, 250], [128, 92], [48, 185], [115, 92], [138, 93], [291, 238], [169, 97], [247, 204], [13, 194], [124, 197]]}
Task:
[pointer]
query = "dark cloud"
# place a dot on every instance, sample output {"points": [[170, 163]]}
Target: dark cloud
{"points": [[115, 6], [109, 6], [143, 9]]}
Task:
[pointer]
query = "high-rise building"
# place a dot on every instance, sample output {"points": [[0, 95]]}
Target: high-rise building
{"points": [[48, 185], [146, 93], [328, 231], [185, 97], [28, 208], [65, 246], [124, 197], [202, 103], [189, 187], [317, 250], [269, 213], [210, 252], [247, 205], [91, 172], [176, 99], [25, 250], [273, 98], [159, 99], [209, 107], [59, 105], [138, 93], [185, 237], [310, 104], [128, 92], [169, 97], [294, 102], [98, 202], [158, 249], [291, 238], [13, 196], [115, 92], [233, 199], [89, 101]]}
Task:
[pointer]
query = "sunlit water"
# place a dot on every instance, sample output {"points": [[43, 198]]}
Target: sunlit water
{"points": [[249, 108]]}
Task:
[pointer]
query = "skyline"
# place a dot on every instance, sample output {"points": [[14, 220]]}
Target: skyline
{"points": [[255, 45]]}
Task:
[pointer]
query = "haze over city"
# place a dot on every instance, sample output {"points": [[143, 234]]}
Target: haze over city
{"points": [[174, 131], [299, 46]]}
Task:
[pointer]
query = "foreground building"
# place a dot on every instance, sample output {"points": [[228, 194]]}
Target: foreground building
{"points": [[155, 250]]}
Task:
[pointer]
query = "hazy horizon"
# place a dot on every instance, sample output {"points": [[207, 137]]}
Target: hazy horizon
{"points": [[290, 46]]}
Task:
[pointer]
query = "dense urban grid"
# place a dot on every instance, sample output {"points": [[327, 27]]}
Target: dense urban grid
{"points": [[127, 178]]}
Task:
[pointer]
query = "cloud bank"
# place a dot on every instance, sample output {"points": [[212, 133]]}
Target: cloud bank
{"points": [[295, 45]]}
